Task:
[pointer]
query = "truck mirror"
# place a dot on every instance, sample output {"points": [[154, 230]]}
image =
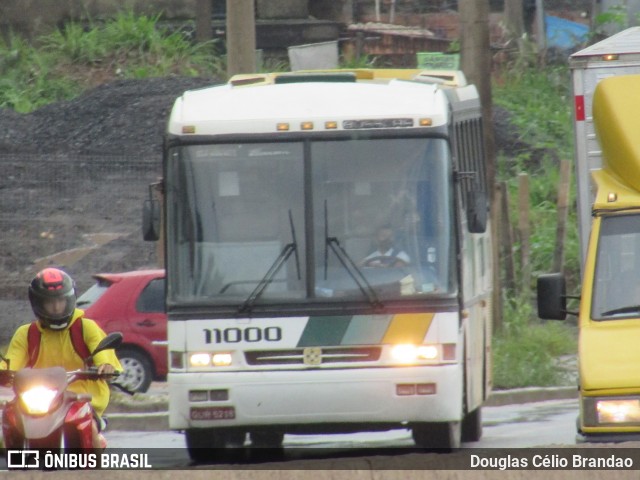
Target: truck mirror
{"points": [[552, 296], [151, 220], [477, 212]]}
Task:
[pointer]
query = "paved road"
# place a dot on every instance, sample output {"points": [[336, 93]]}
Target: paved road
{"points": [[510, 426]]}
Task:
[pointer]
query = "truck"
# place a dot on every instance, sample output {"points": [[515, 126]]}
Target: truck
{"points": [[606, 86], [284, 315]]}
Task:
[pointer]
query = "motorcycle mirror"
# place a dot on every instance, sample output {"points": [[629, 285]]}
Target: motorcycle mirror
{"points": [[113, 340]]}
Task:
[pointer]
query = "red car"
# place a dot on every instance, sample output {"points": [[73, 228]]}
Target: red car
{"points": [[132, 303]]}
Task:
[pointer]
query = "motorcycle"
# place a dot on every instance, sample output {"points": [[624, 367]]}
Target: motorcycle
{"points": [[44, 413]]}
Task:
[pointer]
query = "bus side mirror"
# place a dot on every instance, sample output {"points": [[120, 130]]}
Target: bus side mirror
{"points": [[151, 220], [552, 296], [477, 211]]}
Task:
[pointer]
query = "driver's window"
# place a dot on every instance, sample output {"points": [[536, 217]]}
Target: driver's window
{"points": [[386, 205]]}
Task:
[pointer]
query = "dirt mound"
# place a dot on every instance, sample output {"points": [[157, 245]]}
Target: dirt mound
{"points": [[122, 117], [76, 169]]}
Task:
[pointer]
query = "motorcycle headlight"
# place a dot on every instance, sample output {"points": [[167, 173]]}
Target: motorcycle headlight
{"points": [[38, 400]]}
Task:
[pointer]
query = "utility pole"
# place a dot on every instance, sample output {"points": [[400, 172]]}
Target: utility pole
{"points": [[476, 65], [204, 30], [241, 37], [514, 19], [475, 49], [541, 31]]}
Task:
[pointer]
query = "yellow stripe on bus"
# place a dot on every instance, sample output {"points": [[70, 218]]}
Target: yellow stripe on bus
{"points": [[408, 328]]}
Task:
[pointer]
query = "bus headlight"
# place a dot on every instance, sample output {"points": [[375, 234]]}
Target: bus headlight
{"points": [[222, 359], [199, 359], [427, 352], [406, 353]]}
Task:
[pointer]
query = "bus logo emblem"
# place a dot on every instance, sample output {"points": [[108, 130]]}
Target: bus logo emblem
{"points": [[312, 356]]}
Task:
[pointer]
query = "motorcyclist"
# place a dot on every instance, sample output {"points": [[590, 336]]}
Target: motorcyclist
{"points": [[52, 295]]}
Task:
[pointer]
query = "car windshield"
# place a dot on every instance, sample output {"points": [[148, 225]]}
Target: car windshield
{"points": [[616, 285], [360, 220]]}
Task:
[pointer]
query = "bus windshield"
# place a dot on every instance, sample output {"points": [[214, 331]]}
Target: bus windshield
{"points": [[317, 220]]}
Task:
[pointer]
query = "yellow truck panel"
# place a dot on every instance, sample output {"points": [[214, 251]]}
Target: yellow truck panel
{"points": [[616, 116], [607, 344]]}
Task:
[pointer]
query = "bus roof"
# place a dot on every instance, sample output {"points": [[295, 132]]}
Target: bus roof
{"points": [[336, 100]]}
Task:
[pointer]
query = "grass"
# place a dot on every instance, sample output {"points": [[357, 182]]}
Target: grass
{"points": [[526, 350], [66, 62]]}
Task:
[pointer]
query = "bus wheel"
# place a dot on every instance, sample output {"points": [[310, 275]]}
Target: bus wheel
{"points": [[441, 435], [472, 426], [203, 444], [266, 439], [209, 445]]}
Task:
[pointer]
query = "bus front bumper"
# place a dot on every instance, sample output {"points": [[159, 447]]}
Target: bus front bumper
{"points": [[394, 396]]}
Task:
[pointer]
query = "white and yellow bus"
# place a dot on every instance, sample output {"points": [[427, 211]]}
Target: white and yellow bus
{"points": [[285, 316]]}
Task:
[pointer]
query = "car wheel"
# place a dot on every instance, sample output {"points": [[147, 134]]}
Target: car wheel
{"points": [[137, 372]]}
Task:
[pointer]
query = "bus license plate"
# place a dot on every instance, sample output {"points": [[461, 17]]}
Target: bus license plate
{"points": [[213, 413]]}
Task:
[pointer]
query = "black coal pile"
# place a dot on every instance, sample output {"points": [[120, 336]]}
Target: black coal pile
{"points": [[124, 117]]}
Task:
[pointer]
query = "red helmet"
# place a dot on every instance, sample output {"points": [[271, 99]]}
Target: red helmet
{"points": [[52, 294]]}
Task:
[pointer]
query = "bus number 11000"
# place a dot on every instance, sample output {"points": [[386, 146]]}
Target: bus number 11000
{"points": [[237, 335]]}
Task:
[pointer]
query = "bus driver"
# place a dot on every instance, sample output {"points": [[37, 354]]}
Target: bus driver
{"points": [[386, 253]]}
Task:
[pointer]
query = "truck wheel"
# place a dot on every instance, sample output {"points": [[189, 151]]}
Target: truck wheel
{"points": [[137, 374], [437, 436]]}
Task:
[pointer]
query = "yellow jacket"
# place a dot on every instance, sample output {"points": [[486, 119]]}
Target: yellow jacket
{"points": [[56, 350]]}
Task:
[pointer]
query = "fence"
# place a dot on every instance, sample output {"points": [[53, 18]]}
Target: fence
{"points": [[514, 238]]}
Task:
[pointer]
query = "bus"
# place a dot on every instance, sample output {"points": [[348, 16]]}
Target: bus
{"points": [[328, 258]]}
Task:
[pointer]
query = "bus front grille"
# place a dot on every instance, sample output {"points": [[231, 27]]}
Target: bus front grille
{"points": [[313, 356]]}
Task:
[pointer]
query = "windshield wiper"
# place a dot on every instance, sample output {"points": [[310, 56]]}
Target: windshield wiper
{"points": [[349, 265], [617, 311], [282, 258]]}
